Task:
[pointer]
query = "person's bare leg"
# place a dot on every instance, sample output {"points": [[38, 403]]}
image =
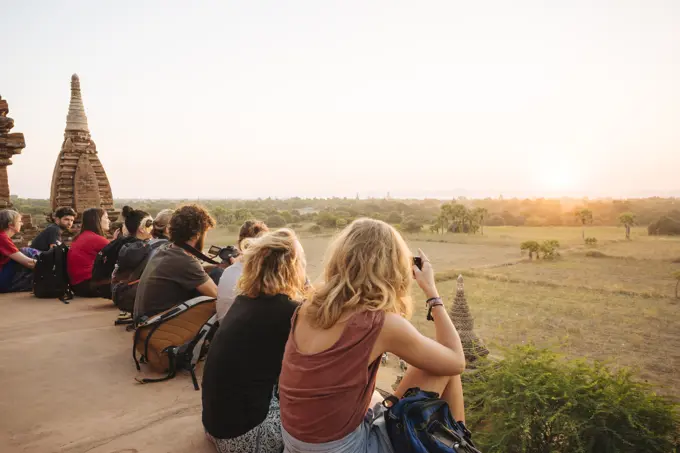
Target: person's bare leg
{"points": [[453, 394], [450, 388]]}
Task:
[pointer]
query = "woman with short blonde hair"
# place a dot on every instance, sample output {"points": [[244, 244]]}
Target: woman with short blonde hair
{"points": [[333, 352], [240, 405]]}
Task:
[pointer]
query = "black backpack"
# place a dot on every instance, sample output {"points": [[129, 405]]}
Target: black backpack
{"points": [[106, 259], [50, 279], [132, 261]]}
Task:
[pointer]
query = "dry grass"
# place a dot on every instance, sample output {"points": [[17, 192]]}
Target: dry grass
{"points": [[630, 331], [648, 248], [647, 278], [513, 236]]}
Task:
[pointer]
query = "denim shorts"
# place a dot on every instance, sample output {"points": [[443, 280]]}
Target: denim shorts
{"points": [[369, 437]]}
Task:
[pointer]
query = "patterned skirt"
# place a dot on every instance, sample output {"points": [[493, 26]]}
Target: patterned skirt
{"points": [[264, 438]]}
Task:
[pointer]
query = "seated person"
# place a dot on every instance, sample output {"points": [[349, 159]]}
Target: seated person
{"points": [[161, 227], [244, 360], [84, 249], [174, 274], [51, 235], [337, 337], [16, 266], [138, 227], [226, 290]]}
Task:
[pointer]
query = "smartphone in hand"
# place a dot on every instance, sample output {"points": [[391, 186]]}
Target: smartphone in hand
{"points": [[418, 261]]}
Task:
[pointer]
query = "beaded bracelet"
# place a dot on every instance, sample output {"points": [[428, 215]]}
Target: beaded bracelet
{"points": [[432, 302]]}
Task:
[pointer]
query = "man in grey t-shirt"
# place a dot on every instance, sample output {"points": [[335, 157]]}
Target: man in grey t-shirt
{"points": [[173, 275]]}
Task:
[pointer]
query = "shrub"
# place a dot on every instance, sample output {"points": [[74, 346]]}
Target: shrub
{"points": [[664, 226], [532, 247], [535, 401], [315, 229], [394, 218], [495, 220], [275, 221], [550, 249], [411, 225], [326, 220], [340, 223], [595, 254], [591, 242]]}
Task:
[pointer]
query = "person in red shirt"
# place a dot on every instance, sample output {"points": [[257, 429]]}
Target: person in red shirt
{"points": [[84, 249], [16, 265]]}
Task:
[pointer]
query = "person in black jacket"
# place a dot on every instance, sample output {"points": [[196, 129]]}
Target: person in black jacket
{"points": [[49, 237], [240, 405]]}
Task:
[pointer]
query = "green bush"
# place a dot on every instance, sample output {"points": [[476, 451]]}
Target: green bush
{"points": [[530, 246], [591, 242], [550, 249], [275, 221], [411, 225], [315, 229], [394, 218], [534, 401]]}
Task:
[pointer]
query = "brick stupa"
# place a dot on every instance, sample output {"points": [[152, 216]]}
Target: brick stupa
{"points": [[11, 144], [79, 179], [473, 346]]}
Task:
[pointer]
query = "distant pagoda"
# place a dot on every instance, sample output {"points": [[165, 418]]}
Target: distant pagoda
{"points": [[473, 346], [79, 179], [11, 143]]}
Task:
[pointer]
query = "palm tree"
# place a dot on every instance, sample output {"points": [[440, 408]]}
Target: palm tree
{"points": [[480, 214], [585, 216], [459, 214], [627, 219]]}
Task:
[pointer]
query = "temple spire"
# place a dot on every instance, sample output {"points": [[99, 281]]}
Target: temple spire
{"points": [[76, 120], [473, 346]]}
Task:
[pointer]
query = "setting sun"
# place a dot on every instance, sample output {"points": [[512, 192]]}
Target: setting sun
{"points": [[557, 176]]}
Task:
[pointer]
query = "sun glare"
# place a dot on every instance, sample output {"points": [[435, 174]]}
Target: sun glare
{"points": [[557, 177]]}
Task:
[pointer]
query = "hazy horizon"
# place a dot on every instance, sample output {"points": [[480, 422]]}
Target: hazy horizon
{"points": [[429, 100]]}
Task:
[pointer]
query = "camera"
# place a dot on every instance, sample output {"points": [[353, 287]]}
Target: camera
{"points": [[224, 253]]}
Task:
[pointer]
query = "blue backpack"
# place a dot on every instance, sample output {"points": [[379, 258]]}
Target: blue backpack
{"points": [[420, 422]]}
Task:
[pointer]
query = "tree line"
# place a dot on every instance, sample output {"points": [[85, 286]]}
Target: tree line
{"points": [[458, 215]]}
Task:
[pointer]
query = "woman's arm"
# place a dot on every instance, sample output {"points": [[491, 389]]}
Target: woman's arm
{"points": [[23, 260], [443, 357]]}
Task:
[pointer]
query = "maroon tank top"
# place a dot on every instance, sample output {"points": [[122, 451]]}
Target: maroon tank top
{"points": [[325, 396]]}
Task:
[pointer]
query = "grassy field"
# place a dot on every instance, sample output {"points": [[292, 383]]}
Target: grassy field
{"points": [[618, 307]]}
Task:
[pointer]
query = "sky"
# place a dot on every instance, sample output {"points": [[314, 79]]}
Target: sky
{"points": [[268, 98]]}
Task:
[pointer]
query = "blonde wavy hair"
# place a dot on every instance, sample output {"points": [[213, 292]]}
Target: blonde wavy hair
{"points": [[368, 267], [273, 263]]}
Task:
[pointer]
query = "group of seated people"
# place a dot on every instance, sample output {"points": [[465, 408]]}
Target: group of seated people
{"points": [[292, 366]]}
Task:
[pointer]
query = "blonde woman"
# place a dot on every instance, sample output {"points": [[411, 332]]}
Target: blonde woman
{"points": [[339, 335], [240, 412]]}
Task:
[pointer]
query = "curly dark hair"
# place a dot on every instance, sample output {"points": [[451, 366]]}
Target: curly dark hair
{"points": [[63, 212], [251, 229], [188, 222]]}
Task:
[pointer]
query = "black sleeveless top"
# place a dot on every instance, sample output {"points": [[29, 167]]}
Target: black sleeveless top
{"points": [[244, 363]]}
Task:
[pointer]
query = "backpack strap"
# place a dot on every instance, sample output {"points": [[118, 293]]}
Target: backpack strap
{"points": [[172, 368], [195, 252]]}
